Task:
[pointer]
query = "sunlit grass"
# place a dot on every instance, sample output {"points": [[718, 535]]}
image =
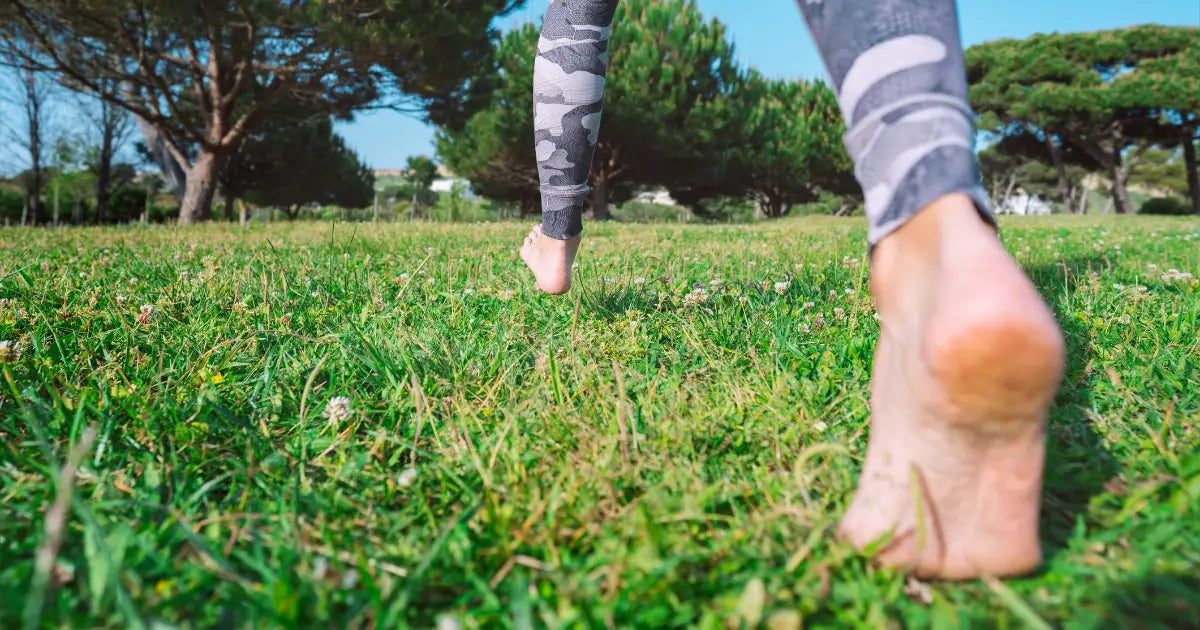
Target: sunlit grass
{"points": [[360, 425]]}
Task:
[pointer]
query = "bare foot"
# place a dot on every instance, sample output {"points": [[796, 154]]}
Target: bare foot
{"points": [[550, 260], [968, 362]]}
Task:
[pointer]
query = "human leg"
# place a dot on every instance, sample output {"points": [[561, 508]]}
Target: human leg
{"points": [[969, 356], [568, 98]]}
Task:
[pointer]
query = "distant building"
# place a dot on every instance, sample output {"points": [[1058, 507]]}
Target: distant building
{"points": [[1024, 204]]}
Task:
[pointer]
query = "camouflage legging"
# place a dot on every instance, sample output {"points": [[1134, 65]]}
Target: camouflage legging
{"points": [[897, 66]]}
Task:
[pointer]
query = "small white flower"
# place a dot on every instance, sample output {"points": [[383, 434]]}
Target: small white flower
{"points": [[407, 478], [346, 256], [1124, 319], [849, 291], [133, 281], [314, 294], [121, 299], [715, 282], [639, 281], [404, 276], [809, 304], [838, 311], [1118, 286], [9, 350], [798, 266], [338, 409], [508, 294], [448, 622], [782, 287], [832, 293], [819, 426], [468, 291], [697, 296], [1151, 266]]}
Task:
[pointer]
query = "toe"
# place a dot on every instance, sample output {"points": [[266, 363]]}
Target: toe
{"points": [[538, 229]]}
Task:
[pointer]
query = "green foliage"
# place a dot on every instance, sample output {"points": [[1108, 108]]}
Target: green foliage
{"points": [[293, 160], [1162, 170], [1100, 93], [1165, 205], [202, 75], [644, 460], [11, 204], [670, 71], [127, 204], [782, 146]]}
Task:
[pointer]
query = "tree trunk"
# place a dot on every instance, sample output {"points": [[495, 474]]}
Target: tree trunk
{"points": [[600, 198], [201, 186], [1064, 188], [243, 216], [171, 169], [1119, 173], [1120, 193], [1193, 178], [104, 171]]}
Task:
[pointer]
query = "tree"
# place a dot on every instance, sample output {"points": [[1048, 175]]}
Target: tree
{"points": [[202, 75], [1021, 160], [113, 128], [668, 64], [293, 160], [1092, 91], [789, 148], [30, 94]]}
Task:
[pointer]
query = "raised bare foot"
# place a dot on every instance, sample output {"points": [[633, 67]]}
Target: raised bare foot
{"points": [[550, 260], [968, 362]]}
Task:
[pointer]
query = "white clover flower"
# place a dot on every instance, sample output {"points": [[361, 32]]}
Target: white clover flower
{"points": [[697, 296], [133, 281], [849, 291], [448, 622], [407, 478], [468, 291], [508, 294], [1118, 286], [715, 282], [819, 426], [809, 304], [639, 281], [404, 276], [338, 409], [121, 299], [9, 351], [146, 313], [832, 293], [838, 311], [782, 287], [1124, 319], [798, 266], [1151, 266]]}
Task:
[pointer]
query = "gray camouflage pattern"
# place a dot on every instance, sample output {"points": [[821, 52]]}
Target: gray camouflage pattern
{"points": [[901, 80], [568, 97]]}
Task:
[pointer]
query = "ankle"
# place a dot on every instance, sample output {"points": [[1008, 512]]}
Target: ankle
{"points": [[912, 256]]}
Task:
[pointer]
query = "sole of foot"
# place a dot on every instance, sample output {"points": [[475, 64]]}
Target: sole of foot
{"points": [[550, 260], [968, 363]]}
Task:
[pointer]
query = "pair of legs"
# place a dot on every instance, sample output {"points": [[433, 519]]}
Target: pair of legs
{"points": [[969, 357]]}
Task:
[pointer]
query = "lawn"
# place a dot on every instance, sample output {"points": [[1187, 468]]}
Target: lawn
{"points": [[642, 453]]}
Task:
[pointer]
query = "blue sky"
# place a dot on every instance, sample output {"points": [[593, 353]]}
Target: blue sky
{"points": [[770, 35]]}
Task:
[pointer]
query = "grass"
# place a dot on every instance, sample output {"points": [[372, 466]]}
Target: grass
{"points": [[616, 458]]}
